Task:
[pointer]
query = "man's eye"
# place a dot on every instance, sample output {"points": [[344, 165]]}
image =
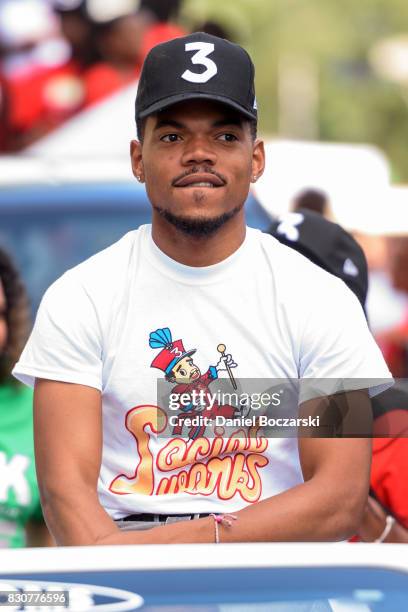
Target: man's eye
{"points": [[227, 137], [170, 138], [182, 372]]}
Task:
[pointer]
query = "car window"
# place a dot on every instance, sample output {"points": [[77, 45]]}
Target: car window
{"points": [[49, 230]]}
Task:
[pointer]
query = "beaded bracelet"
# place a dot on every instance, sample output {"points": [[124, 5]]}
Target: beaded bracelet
{"points": [[222, 519], [389, 522]]}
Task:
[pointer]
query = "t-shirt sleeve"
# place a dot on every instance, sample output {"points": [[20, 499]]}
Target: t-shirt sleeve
{"points": [[337, 351], [66, 342]]}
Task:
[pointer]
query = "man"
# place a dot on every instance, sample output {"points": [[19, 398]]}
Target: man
{"points": [[102, 453], [329, 246]]}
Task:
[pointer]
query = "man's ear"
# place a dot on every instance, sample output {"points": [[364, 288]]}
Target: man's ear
{"points": [[136, 159], [258, 160]]}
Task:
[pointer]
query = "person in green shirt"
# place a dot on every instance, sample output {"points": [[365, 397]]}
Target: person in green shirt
{"points": [[21, 521]]}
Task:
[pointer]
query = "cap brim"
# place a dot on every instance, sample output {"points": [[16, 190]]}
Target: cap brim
{"points": [[166, 102]]}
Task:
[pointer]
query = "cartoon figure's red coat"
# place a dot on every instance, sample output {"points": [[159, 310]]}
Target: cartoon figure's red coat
{"points": [[204, 409]]}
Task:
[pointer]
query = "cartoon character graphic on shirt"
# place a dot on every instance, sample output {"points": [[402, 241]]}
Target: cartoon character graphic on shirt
{"points": [[226, 467], [180, 369]]}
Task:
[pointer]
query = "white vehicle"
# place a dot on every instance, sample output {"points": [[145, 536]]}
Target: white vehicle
{"points": [[211, 578]]}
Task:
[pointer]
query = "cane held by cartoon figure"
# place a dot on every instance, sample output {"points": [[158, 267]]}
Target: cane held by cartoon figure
{"points": [[221, 349]]}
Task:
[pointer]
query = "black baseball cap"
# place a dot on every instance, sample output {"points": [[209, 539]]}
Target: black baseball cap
{"points": [[326, 244], [196, 66]]}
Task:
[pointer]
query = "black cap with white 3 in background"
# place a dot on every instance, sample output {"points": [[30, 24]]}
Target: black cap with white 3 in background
{"points": [[327, 245], [196, 66]]}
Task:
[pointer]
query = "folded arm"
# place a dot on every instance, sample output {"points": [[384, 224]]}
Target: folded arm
{"points": [[328, 506]]}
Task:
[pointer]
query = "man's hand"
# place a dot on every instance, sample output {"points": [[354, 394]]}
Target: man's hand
{"points": [[328, 506], [374, 523]]}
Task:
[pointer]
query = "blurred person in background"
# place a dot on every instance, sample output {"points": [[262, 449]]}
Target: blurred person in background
{"points": [[21, 521], [215, 29], [163, 27], [42, 66], [386, 513], [78, 30], [387, 300], [394, 340], [4, 111], [311, 199], [119, 32], [30, 50], [57, 57], [329, 246], [28, 36]]}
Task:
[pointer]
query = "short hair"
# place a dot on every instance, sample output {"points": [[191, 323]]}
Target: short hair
{"points": [[215, 29], [311, 199], [253, 126], [162, 10], [140, 123], [17, 315]]}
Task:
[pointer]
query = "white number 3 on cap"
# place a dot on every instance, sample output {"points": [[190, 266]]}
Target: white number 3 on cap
{"points": [[203, 50]]}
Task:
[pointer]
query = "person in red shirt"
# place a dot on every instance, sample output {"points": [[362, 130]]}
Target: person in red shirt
{"points": [[39, 98], [386, 513]]}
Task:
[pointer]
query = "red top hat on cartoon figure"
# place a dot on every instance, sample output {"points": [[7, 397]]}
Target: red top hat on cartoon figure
{"points": [[171, 353]]}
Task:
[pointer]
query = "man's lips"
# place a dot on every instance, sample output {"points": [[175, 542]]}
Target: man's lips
{"points": [[200, 180]]}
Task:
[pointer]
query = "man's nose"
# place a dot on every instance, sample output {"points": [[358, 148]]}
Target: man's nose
{"points": [[199, 150]]}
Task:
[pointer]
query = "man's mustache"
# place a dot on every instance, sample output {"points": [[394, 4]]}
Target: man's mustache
{"points": [[198, 170]]}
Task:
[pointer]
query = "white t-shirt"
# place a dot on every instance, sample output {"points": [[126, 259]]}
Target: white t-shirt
{"points": [[278, 315]]}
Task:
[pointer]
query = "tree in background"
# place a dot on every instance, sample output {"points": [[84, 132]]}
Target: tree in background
{"points": [[314, 76]]}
